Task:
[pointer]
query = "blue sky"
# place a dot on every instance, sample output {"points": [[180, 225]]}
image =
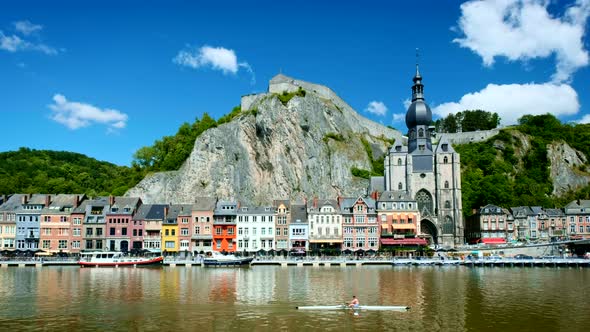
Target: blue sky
{"points": [[105, 78]]}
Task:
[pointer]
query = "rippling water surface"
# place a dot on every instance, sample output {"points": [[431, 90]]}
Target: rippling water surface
{"points": [[264, 298]]}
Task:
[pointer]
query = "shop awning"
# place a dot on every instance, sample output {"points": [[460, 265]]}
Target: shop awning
{"points": [[493, 240], [414, 241]]}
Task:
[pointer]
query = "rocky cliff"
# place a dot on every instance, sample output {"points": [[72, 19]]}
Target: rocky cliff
{"points": [[303, 144]]}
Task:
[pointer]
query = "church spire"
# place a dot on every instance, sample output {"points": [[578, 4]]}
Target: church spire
{"points": [[418, 87]]}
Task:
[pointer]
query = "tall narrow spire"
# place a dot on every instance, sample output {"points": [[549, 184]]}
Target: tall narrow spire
{"points": [[418, 87]]}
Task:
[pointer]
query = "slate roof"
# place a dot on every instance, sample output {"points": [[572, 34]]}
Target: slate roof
{"points": [[256, 210], [61, 202], [395, 196], [377, 184], [179, 210], [322, 202], [552, 213], [150, 212], [521, 211], [122, 202], [204, 204], [298, 213], [13, 203]]}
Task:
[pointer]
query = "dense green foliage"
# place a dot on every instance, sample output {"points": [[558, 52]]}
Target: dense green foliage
{"points": [[334, 136], [467, 121], [170, 152], [360, 173], [286, 96], [492, 174], [377, 165], [40, 171]]}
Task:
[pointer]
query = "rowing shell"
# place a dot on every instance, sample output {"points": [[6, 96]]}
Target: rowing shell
{"points": [[362, 307]]}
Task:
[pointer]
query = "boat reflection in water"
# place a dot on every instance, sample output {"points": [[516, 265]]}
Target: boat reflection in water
{"points": [[219, 259], [116, 259]]}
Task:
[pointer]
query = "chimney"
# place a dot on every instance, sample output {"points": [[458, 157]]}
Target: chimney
{"points": [[315, 202], [47, 200], [375, 195], [165, 211], [76, 200], [24, 199], [340, 199], [111, 200]]}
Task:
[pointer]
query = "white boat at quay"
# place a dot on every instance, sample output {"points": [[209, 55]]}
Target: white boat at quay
{"points": [[219, 259], [115, 259], [362, 307]]}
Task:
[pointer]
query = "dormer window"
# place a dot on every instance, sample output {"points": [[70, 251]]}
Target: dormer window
{"points": [[421, 132], [445, 147], [398, 148], [126, 209]]}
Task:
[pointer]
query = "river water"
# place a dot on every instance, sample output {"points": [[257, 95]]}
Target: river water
{"points": [[263, 298]]}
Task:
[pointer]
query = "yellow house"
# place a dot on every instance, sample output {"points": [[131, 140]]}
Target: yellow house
{"points": [[170, 231]]}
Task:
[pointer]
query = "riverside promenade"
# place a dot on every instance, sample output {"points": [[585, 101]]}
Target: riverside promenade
{"points": [[344, 262]]}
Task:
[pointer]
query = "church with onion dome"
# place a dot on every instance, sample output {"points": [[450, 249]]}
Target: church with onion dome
{"points": [[426, 170]]}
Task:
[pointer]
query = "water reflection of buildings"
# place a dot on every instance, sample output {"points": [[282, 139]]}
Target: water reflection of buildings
{"points": [[437, 298]]}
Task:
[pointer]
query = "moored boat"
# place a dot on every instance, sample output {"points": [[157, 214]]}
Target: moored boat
{"points": [[115, 259], [219, 259], [362, 307]]}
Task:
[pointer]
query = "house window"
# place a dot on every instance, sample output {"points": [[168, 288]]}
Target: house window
{"points": [[197, 230], [88, 244], [75, 244], [63, 244], [173, 232], [230, 231], [46, 244], [420, 132], [218, 230], [124, 231], [447, 204], [446, 184], [285, 231], [170, 245], [167, 232], [446, 160], [184, 231]]}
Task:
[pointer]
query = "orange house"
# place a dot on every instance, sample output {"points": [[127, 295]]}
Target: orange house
{"points": [[224, 226]]}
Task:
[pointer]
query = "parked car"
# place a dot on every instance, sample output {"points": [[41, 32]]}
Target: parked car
{"points": [[523, 256]]}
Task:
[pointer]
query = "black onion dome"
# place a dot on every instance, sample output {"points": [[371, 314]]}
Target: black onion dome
{"points": [[419, 114]]}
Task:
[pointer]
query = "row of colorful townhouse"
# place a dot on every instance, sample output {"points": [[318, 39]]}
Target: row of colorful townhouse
{"points": [[70, 223], [494, 224], [67, 223]]}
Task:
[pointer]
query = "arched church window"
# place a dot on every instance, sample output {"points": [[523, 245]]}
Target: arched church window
{"points": [[399, 186], [446, 184], [399, 161], [448, 227], [424, 200], [447, 204], [420, 132], [446, 160]]}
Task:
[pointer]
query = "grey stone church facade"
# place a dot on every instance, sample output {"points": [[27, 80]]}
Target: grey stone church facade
{"points": [[427, 171]]}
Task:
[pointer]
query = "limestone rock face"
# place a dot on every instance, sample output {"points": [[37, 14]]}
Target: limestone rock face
{"points": [[565, 173], [276, 151]]}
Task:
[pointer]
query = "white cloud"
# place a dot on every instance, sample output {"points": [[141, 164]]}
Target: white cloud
{"points": [[13, 43], [399, 117], [407, 103], [585, 119], [26, 27], [377, 108], [75, 115], [511, 101], [523, 30], [218, 58]]}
